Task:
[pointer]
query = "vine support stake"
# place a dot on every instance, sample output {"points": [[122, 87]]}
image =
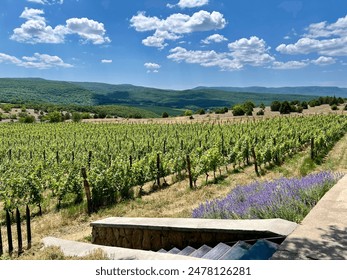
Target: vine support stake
{"points": [[158, 170], [189, 172], [9, 232], [19, 232], [28, 222], [87, 190], [1, 248], [312, 148], [255, 162]]}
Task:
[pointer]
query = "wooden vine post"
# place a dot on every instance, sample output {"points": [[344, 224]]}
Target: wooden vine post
{"points": [[9, 232], [87, 190], [1, 248], [189, 172], [312, 148], [158, 170], [28, 222], [19, 232]]}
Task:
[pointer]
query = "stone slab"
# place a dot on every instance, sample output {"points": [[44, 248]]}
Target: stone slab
{"points": [[275, 226], [80, 249]]}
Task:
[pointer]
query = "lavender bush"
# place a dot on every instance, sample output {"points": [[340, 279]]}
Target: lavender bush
{"points": [[289, 199]]}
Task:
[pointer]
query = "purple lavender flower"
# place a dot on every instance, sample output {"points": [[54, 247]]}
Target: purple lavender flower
{"points": [[285, 198]]}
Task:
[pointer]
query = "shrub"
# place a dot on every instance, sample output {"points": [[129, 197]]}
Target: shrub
{"points": [[334, 107], [165, 115], [201, 112], [285, 108], [54, 117], [188, 113], [238, 110], [76, 117], [27, 119], [275, 106]]}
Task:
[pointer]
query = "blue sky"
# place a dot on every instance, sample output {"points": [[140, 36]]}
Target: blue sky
{"points": [[176, 44]]}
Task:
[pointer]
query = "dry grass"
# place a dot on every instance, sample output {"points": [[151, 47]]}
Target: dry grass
{"points": [[227, 117]]}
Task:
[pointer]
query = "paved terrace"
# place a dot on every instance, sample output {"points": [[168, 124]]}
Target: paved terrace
{"points": [[322, 235]]}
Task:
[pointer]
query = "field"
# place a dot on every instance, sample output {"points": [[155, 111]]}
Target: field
{"points": [[141, 169]]}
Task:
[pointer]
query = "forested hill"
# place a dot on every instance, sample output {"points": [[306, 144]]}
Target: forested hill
{"points": [[30, 90], [308, 90]]}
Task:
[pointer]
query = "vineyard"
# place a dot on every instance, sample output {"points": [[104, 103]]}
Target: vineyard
{"points": [[71, 163]]}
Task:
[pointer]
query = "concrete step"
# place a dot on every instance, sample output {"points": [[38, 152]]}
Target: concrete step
{"points": [[261, 250], [187, 251], [217, 252], [174, 251], [203, 250], [237, 251]]}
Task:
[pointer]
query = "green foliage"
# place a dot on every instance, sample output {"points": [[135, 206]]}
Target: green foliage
{"points": [[25, 118], [188, 113], [201, 112], [238, 110], [165, 115], [43, 162], [54, 117], [275, 106], [285, 108], [334, 107], [76, 117], [6, 107]]}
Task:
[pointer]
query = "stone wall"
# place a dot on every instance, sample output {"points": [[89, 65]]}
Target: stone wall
{"points": [[155, 239]]}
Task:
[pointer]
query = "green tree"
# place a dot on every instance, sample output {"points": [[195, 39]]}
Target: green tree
{"points": [[238, 110], [165, 115], [54, 117], [188, 112], [285, 108], [275, 106], [76, 117]]}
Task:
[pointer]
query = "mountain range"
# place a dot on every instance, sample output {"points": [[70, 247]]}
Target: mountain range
{"points": [[41, 91]]}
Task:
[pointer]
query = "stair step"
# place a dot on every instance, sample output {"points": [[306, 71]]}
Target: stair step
{"points": [[187, 251], [261, 250], [203, 250], [174, 251], [162, 251], [236, 251], [217, 252]]}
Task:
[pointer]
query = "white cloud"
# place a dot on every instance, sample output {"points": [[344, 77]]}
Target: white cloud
{"points": [[39, 61], [152, 67], [46, 2], [89, 30], [252, 51], [5, 58], [35, 29], [289, 65], [321, 61], [106, 61], [175, 26], [215, 38], [321, 38], [189, 4], [43, 61]]}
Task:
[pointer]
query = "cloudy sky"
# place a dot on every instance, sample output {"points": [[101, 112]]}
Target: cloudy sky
{"points": [[176, 43]]}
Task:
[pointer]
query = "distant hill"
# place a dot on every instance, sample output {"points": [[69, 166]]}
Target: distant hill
{"points": [[192, 98], [33, 90], [308, 90]]}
